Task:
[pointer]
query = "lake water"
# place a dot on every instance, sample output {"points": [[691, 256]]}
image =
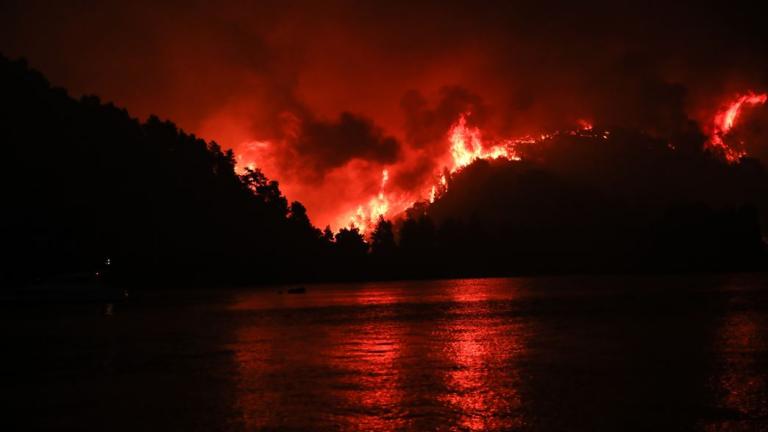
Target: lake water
{"points": [[550, 354]]}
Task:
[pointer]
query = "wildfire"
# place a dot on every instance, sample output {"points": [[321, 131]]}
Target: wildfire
{"points": [[467, 146], [378, 206], [466, 143], [247, 155], [585, 125], [725, 120]]}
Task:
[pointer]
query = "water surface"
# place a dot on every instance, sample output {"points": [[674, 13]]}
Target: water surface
{"points": [[560, 353]]}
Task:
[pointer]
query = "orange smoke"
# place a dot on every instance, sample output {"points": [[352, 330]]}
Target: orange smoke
{"points": [[462, 144]]}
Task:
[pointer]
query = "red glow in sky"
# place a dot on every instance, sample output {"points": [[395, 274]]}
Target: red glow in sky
{"points": [[273, 82], [459, 146]]}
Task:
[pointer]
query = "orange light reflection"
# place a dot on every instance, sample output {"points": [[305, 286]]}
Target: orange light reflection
{"points": [[741, 382], [484, 378]]}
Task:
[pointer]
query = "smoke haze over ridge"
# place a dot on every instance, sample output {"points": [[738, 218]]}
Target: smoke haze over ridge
{"points": [[324, 96]]}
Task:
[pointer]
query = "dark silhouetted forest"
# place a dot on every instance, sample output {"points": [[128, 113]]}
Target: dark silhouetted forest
{"points": [[82, 181]]}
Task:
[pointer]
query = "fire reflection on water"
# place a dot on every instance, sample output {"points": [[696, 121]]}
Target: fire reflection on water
{"points": [[370, 386], [483, 385], [384, 359], [741, 382], [483, 382], [487, 355]]}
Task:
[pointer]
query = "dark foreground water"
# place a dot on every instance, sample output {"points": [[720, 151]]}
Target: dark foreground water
{"points": [[569, 353]]}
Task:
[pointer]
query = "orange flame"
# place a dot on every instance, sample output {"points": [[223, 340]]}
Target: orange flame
{"points": [[585, 125], [378, 206], [725, 120], [467, 145], [246, 156]]}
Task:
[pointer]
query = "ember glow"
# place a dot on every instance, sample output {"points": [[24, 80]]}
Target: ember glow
{"points": [[290, 91], [462, 144], [725, 120], [377, 207], [465, 144]]}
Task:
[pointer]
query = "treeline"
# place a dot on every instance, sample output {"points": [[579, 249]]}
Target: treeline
{"points": [[82, 181], [619, 202], [687, 239], [627, 203]]}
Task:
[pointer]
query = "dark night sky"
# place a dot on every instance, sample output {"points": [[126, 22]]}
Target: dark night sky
{"points": [[282, 73]]}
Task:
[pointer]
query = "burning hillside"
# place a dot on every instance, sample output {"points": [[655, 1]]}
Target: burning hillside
{"points": [[465, 143], [327, 97]]}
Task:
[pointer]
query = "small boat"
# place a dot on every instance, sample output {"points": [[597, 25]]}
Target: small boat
{"points": [[296, 290]]}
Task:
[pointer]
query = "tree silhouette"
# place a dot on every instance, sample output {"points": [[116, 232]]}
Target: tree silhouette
{"points": [[383, 248], [417, 244], [82, 181], [383, 239], [350, 244], [328, 234]]}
